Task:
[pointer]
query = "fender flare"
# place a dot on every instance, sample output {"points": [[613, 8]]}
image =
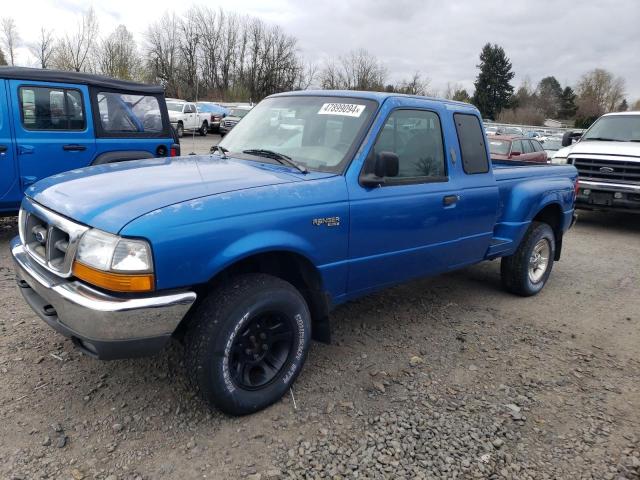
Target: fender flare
{"points": [[121, 156]]}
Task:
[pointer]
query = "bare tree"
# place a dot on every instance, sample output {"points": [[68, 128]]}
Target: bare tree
{"points": [[599, 91], [162, 52], [43, 49], [74, 52], [117, 55], [357, 70], [10, 38], [416, 85]]}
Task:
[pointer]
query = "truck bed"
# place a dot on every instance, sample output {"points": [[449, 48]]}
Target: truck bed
{"points": [[522, 187]]}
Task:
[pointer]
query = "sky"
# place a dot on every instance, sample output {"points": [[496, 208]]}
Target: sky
{"points": [[441, 40]]}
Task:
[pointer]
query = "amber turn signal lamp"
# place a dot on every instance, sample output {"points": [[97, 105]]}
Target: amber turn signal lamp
{"points": [[116, 282]]}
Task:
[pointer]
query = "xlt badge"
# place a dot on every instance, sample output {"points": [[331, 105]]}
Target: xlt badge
{"points": [[328, 221]]}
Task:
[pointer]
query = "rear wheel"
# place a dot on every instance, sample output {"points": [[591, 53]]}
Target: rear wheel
{"points": [[526, 271], [247, 343], [204, 129]]}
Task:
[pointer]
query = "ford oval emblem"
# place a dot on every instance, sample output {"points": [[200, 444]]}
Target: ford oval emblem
{"points": [[606, 170]]}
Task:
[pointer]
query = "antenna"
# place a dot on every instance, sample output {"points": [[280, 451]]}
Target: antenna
{"points": [[195, 75]]}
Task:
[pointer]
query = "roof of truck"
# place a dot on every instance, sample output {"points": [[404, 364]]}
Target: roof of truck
{"points": [[377, 96], [81, 78]]}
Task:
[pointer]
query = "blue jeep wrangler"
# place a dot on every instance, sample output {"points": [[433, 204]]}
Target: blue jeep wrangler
{"points": [[53, 121]]}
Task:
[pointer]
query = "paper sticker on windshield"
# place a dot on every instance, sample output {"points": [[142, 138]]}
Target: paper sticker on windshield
{"points": [[345, 109]]}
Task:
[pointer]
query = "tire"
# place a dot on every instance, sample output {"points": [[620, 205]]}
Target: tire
{"points": [[204, 129], [180, 130], [224, 335], [519, 273]]}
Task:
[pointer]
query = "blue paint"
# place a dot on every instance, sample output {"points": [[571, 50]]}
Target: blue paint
{"points": [[29, 155], [201, 214]]}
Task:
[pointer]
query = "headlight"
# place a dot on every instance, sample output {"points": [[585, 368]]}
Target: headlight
{"points": [[114, 263], [559, 160]]}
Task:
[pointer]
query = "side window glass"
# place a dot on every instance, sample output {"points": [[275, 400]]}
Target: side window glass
{"points": [[416, 137], [472, 143], [536, 145], [516, 146], [527, 146], [44, 108], [129, 113]]}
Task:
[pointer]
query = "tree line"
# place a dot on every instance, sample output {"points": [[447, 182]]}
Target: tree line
{"points": [[213, 54]]}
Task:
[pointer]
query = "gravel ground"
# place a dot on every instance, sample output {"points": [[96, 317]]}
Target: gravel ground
{"points": [[448, 377]]}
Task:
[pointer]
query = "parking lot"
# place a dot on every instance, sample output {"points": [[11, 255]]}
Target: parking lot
{"points": [[448, 377], [196, 144]]}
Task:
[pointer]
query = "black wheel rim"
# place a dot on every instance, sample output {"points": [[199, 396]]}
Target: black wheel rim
{"points": [[261, 350]]}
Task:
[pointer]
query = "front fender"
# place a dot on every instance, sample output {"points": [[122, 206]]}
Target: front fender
{"points": [[260, 242]]}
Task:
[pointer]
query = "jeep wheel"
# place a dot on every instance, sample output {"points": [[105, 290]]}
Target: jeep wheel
{"points": [[247, 343], [180, 130], [204, 129], [527, 270]]}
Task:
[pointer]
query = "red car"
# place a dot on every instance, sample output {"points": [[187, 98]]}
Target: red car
{"points": [[522, 149]]}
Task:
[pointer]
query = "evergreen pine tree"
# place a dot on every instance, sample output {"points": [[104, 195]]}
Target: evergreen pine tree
{"points": [[568, 106], [493, 89]]}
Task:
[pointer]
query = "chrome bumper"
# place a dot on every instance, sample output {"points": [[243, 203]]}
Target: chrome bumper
{"points": [[105, 326]]}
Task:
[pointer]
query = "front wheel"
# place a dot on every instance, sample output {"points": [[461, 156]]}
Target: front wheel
{"points": [[180, 130], [247, 343], [526, 272]]}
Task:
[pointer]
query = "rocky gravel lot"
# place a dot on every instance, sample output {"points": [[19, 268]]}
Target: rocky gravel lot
{"points": [[442, 378]]}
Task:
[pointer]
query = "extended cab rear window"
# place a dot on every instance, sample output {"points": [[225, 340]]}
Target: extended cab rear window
{"points": [[472, 146], [128, 114]]}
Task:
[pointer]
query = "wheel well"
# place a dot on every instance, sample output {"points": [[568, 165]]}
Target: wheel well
{"points": [[180, 122], [552, 216], [293, 268]]}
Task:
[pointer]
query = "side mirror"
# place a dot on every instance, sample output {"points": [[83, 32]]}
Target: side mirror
{"points": [[569, 137], [387, 164], [515, 154]]}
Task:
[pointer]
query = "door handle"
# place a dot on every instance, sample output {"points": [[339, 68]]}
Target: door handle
{"points": [[74, 148], [25, 149], [449, 200]]}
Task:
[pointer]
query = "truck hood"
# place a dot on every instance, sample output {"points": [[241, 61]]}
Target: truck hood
{"points": [[625, 149], [110, 196]]}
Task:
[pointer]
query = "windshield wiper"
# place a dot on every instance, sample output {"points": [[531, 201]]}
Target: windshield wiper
{"points": [[279, 157], [602, 139], [223, 151]]}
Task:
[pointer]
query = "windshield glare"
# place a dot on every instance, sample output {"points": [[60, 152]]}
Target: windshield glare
{"points": [[623, 128], [499, 147], [316, 132]]}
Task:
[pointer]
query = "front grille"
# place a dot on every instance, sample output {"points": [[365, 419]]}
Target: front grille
{"points": [[49, 238], [229, 123], [607, 169]]}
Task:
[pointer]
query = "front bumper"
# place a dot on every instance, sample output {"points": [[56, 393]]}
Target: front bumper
{"points": [[102, 325], [595, 195]]}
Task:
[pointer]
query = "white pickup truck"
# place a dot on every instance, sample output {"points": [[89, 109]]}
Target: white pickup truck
{"points": [[184, 116], [607, 157]]}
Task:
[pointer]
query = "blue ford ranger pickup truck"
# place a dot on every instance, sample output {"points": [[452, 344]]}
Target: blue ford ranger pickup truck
{"points": [[314, 199], [53, 121]]}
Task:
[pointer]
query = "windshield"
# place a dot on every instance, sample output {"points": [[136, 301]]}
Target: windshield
{"points": [[174, 106], [499, 147], [622, 128], [552, 144], [238, 112], [316, 132]]}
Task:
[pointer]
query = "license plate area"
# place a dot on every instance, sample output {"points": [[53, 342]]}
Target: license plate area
{"points": [[601, 198]]}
